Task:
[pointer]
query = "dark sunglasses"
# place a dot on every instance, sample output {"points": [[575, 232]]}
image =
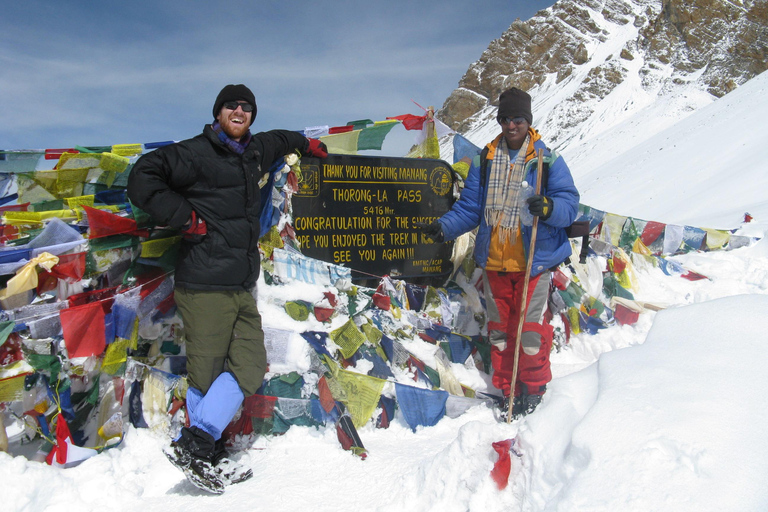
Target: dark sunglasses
{"points": [[232, 105], [506, 120]]}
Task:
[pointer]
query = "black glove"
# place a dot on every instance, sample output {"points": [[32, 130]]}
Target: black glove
{"points": [[432, 230], [540, 206]]}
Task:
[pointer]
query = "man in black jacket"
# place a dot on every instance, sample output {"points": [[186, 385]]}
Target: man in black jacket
{"points": [[208, 186]]}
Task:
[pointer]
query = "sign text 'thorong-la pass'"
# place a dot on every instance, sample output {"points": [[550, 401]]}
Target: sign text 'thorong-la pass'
{"points": [[362, 212]]}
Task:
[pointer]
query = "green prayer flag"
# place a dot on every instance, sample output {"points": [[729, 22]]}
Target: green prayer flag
{"points": [[6, 328], [373, 137]]}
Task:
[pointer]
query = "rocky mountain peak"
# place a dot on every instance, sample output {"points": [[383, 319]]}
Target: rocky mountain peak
{"points": [[578, 54]]}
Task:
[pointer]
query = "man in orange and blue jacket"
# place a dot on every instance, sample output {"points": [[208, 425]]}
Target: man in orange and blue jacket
{"points": [[493, 200]]}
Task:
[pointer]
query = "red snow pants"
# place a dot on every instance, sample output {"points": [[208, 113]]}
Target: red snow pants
{"points": [[504, 292]]}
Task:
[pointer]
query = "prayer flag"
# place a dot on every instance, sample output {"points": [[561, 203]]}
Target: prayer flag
{"points": [[410, 121], [342, 143], [65, 452], [84, 329], [502, 467], [373, 137], [102, 223], [340, 129], [421, 407]]}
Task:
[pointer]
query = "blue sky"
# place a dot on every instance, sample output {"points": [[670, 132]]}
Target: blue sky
{"points": [[101, 73]]}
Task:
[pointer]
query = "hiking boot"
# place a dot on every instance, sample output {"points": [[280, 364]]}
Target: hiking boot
{"points": [[193, 454], [504, 409], [232, 472], [517, 407], [219, 451], [524, 405], [530, 403], [229, 471]]}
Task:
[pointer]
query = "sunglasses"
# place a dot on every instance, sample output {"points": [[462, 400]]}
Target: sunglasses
{"points": [[232, 105], [506, 120]]}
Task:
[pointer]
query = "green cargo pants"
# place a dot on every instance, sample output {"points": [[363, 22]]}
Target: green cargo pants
{"points": [[223, 332]]}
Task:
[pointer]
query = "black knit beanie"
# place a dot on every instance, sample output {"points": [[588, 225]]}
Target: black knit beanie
{"points": [[515, 103], [232, 92]]}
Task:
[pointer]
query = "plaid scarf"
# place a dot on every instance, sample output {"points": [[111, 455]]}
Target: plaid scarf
{"points": [[502, 208], [235, 146]]}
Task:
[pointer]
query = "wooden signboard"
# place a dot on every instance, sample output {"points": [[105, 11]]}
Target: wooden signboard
{"points": [[363, 212]]}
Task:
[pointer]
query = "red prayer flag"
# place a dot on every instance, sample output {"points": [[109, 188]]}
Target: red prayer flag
{"points": [[502, 467], [340, 129], [84, 329], [55, 154], [624, 315], [382, 301], [324, 392], [323, 314], [93, 296], [651, 232], [619, 265], [14, 208], [259, 406], [59, 450], [103, 223], [410, 121], [70, 266]]}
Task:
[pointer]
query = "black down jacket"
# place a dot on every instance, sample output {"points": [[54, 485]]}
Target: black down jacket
{"points": [[222, 187]]}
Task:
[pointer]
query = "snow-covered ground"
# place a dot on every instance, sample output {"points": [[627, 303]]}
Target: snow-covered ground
{"points": [[666, 414]]}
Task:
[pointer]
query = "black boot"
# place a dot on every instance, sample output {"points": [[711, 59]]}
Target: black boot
{"points": [[526, 403], [193, 454], [229, 471]]}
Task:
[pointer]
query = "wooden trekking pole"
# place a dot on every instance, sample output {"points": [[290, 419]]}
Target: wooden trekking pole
{"points": [[526, 279]]}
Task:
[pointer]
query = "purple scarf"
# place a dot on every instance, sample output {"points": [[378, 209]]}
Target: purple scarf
{"points": [[237, 147]]}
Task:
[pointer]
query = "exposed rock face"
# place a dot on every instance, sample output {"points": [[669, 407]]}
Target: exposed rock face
{"points": [[582, 50]]}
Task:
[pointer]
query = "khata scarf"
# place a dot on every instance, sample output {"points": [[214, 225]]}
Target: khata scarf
{"points": [[237, 147], [502, 208]]}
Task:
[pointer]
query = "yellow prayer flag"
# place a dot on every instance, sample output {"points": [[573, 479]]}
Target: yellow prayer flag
{"points": [[372, 333], [16, 218], [156, 248], [348, 337], [78, 161], [12, 380], [26, 277], [640, 248], [127, 149], [74, 202], [717, 238], [448, 380], [615, 224], [113, 163], [342, 143], [115, 355], [12, 389], [363, 393]]}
